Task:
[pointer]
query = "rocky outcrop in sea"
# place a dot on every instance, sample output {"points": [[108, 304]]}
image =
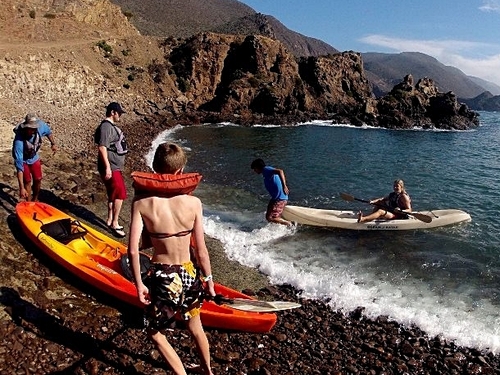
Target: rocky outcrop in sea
{"points": [[411, 105], [254, 79]]}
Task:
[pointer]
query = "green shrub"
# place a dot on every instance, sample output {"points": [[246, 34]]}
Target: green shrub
{"points": [[135, 69], [184, 85], [105, 46], [157, 71], [125, 52]]}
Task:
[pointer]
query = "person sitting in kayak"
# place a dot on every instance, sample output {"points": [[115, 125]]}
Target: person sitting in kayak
{"points": [[388, 207], [175, 285]]}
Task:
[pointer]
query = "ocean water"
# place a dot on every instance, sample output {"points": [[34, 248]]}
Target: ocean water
{"points": [[444, 280]]}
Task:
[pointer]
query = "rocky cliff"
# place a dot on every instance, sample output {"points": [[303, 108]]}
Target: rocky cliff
{"points": [[422, 105], [255, 79]]}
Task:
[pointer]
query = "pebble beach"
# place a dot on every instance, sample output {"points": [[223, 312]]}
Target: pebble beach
{"points": [[52, 323]]}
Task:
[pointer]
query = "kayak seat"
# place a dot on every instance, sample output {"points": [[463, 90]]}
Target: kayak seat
{"points": [[144, 261], [64, 230]]}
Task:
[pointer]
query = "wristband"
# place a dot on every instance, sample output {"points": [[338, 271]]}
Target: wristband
{"points": [[207, 278]]}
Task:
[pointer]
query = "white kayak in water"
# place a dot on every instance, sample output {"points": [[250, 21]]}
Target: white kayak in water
{"points": [[349, 219]]}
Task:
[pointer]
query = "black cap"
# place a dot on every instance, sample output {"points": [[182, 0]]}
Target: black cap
{"points": [[114, 106]]}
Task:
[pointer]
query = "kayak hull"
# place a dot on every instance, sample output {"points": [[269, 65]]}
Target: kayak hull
{"points": [[96, 259], [349, 219]]}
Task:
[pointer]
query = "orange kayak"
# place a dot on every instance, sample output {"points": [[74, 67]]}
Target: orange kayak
{"points": [[97, 259]]}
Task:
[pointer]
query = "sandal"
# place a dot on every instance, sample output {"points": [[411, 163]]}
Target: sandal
{"points": [[117, 232], [119, 227]]}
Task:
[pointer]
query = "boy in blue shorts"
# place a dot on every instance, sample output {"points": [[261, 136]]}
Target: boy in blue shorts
{"points": [[275, 183]]}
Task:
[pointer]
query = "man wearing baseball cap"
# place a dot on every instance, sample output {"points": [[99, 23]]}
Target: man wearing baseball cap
{"points": [[112, 149], [25, 147]]}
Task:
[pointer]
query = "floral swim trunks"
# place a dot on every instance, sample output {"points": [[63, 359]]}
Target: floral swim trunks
{"points": [[275, 208], [175, 292]]}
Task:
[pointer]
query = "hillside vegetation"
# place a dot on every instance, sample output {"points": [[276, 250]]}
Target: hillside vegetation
{"points": [[182, 19], [260, 24]]}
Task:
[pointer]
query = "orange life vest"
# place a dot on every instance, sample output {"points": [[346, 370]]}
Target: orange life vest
{"points": [[147, 184], [164, 185]]}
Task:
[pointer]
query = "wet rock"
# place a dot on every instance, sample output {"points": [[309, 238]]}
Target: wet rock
{"points": [[407, 349], [249, 292]]}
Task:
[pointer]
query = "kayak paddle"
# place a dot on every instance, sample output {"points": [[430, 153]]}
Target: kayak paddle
{"points": [[416, 215], [254, 305]]}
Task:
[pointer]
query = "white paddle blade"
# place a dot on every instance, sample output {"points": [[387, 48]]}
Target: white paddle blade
{"points": [[262, 306]]}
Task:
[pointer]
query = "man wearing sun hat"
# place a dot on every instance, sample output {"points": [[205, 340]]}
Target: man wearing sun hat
{"points": [[25, 147], [112, 149]]}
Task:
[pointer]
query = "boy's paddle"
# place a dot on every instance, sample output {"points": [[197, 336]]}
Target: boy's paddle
{"points": [[416, 215], [246, 304]]}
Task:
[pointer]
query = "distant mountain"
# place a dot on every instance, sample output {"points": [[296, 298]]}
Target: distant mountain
{"points": [[184, 18], [484, 102], [298, 44], [488, 86], [386, 70]]}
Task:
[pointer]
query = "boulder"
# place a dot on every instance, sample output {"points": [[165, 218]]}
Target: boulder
{"points": [[422, 105]]}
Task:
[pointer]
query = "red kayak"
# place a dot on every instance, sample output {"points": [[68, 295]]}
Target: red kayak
{"points": [[98, 260]]}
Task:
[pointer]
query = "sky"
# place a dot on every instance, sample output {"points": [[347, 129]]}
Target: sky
{"points": [[461, 33]]}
